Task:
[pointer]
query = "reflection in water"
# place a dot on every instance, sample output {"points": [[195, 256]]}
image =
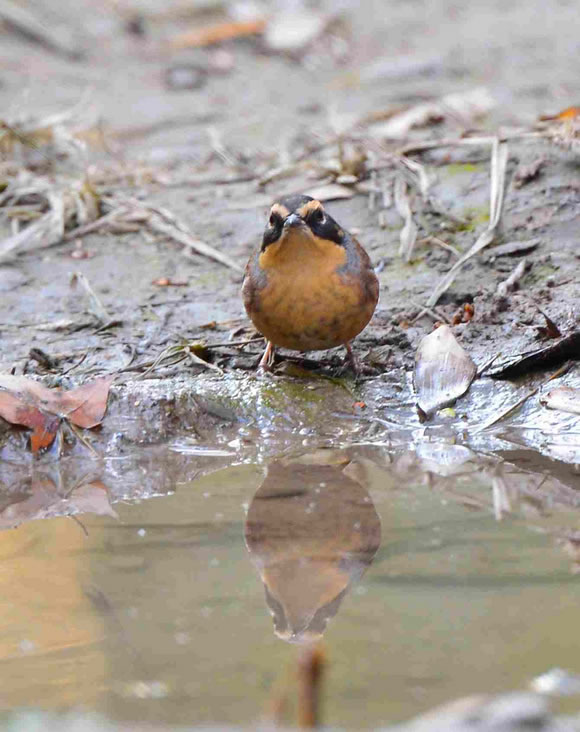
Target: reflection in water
{"points": [[311, 531]]}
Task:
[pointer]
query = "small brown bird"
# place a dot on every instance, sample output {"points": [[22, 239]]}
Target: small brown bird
{"points": [[311, 285]]}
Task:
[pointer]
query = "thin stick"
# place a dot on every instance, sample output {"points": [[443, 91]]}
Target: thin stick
{"points": [[520, 402], [512, 282], [200, 362], [440, 243], [28, 25], [163, 222], [95, 305], [464, 142]]}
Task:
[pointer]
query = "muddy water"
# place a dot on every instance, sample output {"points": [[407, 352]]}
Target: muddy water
{"points": [[428, 574]]}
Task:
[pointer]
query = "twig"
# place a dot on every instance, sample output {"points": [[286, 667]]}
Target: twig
{"points": [[95, 305], [283, 171], [200, 361], [520, 402], [512, 282], [488, 364], [162, 221], [199, 38], [76, 365], [440, 243], [92, 226], [246, 342], [28, 25], [464, 142], [428, 311], [408, 235], [80, 437], [49, 228], [175, 351]]}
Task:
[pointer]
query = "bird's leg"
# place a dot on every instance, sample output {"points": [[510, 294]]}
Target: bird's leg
{"points": [[352, 359], [267, 359]]}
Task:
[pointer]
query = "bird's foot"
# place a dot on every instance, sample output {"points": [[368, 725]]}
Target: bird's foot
{"points": [[267, 360], [351, 360], [352, 363]]}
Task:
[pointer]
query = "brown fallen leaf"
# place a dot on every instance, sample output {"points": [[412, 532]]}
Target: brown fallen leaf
{"points": [[200, 37], [44, 426], [86, 405], [168, 282], [568, 113], [30, 404]]}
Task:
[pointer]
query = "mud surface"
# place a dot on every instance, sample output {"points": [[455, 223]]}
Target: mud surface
{"points": [[258, 125]]}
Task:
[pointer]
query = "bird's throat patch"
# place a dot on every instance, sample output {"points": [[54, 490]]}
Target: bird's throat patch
{"points": [[299, 250]]}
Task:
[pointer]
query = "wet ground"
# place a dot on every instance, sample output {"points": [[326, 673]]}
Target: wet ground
{"points": [[219, 517]]}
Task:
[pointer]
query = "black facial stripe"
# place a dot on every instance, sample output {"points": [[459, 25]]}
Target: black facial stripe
{"points": [[272, 234], [327, 229]]}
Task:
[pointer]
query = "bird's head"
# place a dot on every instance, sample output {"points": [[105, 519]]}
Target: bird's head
{"points": [[300, 219]]}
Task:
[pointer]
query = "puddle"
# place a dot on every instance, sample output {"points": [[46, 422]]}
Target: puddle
{"points": [[429, 573]]}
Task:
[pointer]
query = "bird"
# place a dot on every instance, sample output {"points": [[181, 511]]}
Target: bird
{"points": [[311, 285]]}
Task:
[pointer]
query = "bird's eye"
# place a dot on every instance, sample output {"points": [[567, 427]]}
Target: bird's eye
{"points": [[273, 219], [317, 216]]}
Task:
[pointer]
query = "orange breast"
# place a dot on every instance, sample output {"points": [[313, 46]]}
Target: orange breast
{"points": [[306, 304]]}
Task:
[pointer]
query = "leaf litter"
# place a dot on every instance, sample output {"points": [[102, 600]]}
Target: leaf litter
{"points": [[30, 404]]}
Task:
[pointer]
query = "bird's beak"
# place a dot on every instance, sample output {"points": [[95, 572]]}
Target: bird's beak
{"points": [[293, 221]]}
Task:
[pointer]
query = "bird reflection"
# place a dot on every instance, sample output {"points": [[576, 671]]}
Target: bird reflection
{"points": [[311, 531]]}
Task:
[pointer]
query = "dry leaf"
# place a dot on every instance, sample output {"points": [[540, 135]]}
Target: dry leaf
{"points": [[560, 350], [168, 282], [568, 113], [330, 192], [464, 107], [44, 426], [288, 32], [564, 399], [443, 370], [198, 38], [27, 403], [86, 405]]}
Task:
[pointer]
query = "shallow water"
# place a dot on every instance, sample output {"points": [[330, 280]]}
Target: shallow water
{"points": [[429, 573]]}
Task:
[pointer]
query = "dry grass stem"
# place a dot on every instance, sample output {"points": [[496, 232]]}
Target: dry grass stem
{"points": [[26, 23], [499, 158], [408, 235]]}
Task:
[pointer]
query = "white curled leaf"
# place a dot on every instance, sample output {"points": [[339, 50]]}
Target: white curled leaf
{"points": [[443, 370], [564, 399]]}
